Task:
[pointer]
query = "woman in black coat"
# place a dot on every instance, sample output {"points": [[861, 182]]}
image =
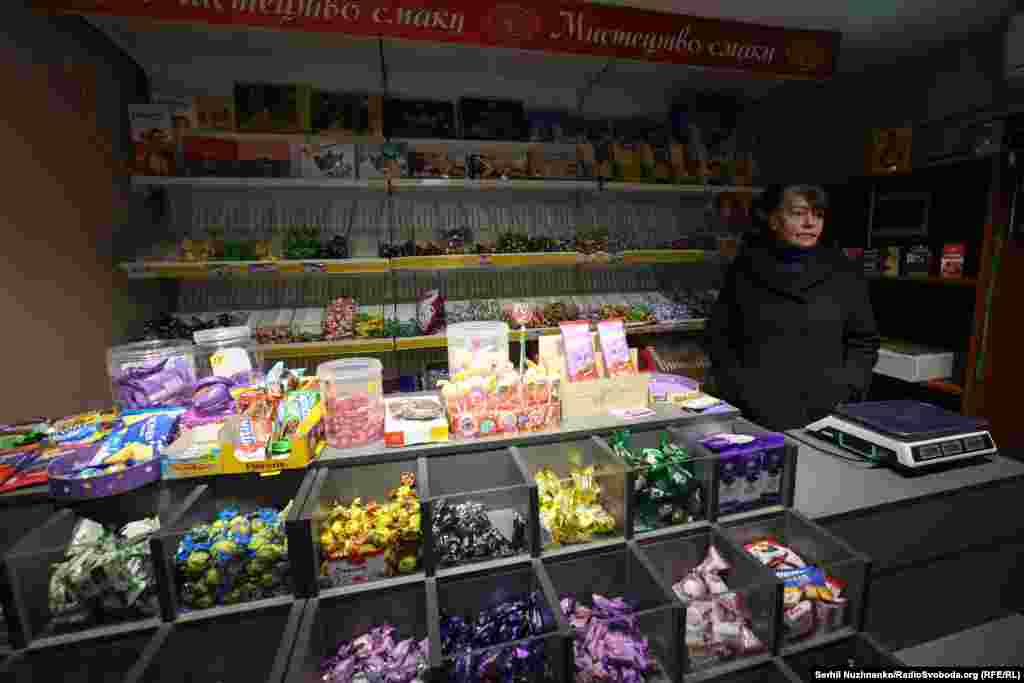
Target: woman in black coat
{"points": [[792, 333]]}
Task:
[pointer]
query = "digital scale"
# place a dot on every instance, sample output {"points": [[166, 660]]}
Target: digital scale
{"points": [[905, 433]]}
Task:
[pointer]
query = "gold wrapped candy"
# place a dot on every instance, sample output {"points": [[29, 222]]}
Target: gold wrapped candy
{"points": [[570, 509], [356, 531]]}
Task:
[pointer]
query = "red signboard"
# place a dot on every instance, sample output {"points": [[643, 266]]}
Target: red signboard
{"points": [[565, 26]]}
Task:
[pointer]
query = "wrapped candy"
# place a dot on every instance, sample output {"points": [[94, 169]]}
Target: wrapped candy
{"points": [[515, 619], [718, 625], [106, 575], [464, 533], [163, 383], [430, 312], [339, 321], [608, 644], [774, 555], [377, 656], [570, 509], [236, 558], [667, 492], [352, 534]]}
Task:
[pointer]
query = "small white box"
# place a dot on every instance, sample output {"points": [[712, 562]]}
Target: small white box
{"points": [[912, 363], [400, 432]]}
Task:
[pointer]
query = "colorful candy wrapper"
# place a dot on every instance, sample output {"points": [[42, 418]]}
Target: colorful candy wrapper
{"points": [[579, 351], [773, 554], [799, 620], [806, 583], [831, 615], [692, 587], [615, 348], [713, 563]]}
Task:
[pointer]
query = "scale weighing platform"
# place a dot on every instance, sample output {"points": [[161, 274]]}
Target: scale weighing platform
{"points": [[905, 433]]}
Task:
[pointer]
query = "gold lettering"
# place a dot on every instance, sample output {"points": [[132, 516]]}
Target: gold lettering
{"points": [[458, 20], [406, 16], [331, 9], [313, 8], [681, 39], [570, 22], [265, 6], [243, 5], [439, 19], [769, 55], [350, 11], [378, 16]]}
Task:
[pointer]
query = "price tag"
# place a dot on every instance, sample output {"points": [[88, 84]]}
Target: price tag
{"points": [[256, 268], [486, 260], [314, 267], [433, 182]]}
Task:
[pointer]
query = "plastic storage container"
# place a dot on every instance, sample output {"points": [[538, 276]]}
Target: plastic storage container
{"points": [[857, 652], [486, 496], [621, 574], [477, 344], [229, 352], [151, 374], [750, 586], [537, 650], [207, 567], [353, 396], [329, 622], [46, 600], [344, 554], [308, 325], [239, 645]]}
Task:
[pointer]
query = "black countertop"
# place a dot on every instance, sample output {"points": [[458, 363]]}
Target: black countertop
{"points": [[829, 486]]}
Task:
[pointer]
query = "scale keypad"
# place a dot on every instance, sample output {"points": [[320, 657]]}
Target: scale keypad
{"points": [[952, 447]]}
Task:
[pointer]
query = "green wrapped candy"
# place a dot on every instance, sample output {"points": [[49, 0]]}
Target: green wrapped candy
{"points": [[258, 525], [270, 553], [257, 567], [268, 580], [197, 563], [204, 602], [213, 578], [225, 550], [232, 597], [240, 525], [219, 527]]}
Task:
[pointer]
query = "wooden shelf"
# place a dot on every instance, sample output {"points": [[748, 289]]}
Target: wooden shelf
{"points": [[930, 280]]}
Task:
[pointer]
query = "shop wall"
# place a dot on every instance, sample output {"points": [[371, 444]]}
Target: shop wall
{"points": [[62, 132]]}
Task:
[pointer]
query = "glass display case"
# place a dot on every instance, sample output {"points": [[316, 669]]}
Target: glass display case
{"points": [[248, 643], [396, 614], [596, 590], [860, 651], [91, 567], [236, 541], [582, 493], [730, 616], [482, 507], [824, 580], [504, 622], [366, 524]]}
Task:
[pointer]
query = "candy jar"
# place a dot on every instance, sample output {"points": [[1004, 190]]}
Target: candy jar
{"points": [[477, 345], [353, 399], [151, 374], [229, 352]]}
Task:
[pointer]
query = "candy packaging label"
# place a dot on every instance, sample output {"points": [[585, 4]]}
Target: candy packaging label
{"points": [[774, 463], [615, 348], [579, 351]]}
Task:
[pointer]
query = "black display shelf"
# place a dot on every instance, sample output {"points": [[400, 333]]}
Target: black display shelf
{"points": [[750, 584], [28, 566], [860, 651], [106, 659]]}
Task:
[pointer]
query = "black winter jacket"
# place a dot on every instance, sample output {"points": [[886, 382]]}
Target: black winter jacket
{"points": [[786, 347]]}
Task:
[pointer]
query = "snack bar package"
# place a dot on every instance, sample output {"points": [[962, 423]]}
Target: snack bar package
{"points": [[617, 359], [579, 351]]}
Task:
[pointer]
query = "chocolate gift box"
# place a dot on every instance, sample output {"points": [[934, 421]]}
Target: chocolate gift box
{"points": [[152, 136]]}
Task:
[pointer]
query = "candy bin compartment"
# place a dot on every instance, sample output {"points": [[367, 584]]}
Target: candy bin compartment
{"points": [[353, 396], [229, 352], [477, 345], [365, 523], [501, 625], [770, 671], [595, 589], [824, 585], [237, 542], [103, 660], [244, 644], [759, 475], [331, 624], [860, 651], [669, 482], [72, 579], [730, 599], [586, 480], [482, 508]]}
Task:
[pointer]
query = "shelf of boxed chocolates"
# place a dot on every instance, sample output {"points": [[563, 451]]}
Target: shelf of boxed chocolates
{"points": [[450, 567]]}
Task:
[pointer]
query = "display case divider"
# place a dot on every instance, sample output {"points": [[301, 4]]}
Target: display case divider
{"points": [[830, 536], [550, 594], [817, 642], [284, 652], [581, 549], [307, 573], [434, 628], [631, 475], [370, 586], [163, 554], [299, 501], [241, 608], [787, 670], [303, 636], [872, 642], [789, 480], [860, 618], [422, 478], [767, 575], [427, 532], [134, 674], [658, 577], [672, 531], [484, 566], [534, 512]]}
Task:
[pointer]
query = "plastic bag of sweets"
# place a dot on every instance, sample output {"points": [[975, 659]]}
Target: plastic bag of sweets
{"points": [[377, 655], [339, 319], [430, 312]]}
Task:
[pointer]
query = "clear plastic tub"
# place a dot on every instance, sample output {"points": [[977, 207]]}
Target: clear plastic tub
{"points": [[353, 397], [229, 352], [477, 345], [151, 374], [308, 324]]}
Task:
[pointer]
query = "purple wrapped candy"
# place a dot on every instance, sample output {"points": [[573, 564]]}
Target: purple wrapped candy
{"points": [[211, 402], [159, 384], [376, 655], [608, 643]]}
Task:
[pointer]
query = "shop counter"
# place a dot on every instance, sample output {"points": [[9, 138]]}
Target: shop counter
{"points": [[944, 543]]}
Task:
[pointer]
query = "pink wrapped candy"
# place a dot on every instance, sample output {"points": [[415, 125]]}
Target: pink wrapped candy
{"points": [[799, 619], [353, 400], [339, 320]]}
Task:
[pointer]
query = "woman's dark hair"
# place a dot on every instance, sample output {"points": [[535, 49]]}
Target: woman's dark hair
{"points": [[773, 196]]}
